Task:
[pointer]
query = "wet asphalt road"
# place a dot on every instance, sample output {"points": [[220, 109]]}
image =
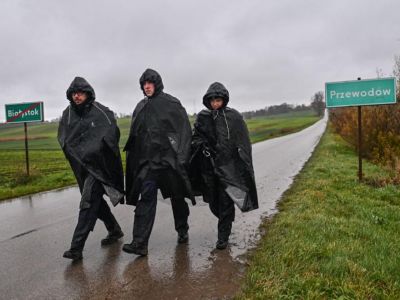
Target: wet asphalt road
{"points": [[35, 231]]}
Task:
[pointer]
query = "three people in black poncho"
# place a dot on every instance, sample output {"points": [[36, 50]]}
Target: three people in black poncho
{"points": [[162, 152]]}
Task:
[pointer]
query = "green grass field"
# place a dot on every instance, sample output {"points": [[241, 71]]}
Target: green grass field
{"points": [[263, 128], [333, 238], [43, 136], [50, 170]]}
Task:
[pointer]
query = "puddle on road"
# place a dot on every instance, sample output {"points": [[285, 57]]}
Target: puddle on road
{"points": [[142, 278], [221, 280]]}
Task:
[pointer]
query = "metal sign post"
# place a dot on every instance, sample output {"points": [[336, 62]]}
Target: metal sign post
{"points": [[360, 174], [26, 148]]}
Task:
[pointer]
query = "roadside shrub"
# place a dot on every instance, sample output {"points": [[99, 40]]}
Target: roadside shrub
{"points": [[380, 133]]}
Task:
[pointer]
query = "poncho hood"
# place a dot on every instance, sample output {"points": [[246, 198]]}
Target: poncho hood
{"points": [[80, 84], [152, 76], [216, 90]]}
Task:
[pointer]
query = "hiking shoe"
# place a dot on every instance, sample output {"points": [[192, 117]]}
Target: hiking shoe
{"points": [[112, 237], [221, 244], [73, 254], [183, 238], [135, 248]]}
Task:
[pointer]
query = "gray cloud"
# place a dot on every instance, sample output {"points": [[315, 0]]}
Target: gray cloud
{"points": [[265, 52]]}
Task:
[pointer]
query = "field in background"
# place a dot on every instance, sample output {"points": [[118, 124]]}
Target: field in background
{"points": [[50, 170], [42, 135], [263, 128]]}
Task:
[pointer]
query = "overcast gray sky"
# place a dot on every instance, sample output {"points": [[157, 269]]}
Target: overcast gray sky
{"points": [[265, 52]]}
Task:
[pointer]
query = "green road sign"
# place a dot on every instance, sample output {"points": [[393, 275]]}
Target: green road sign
{"points": [[24, 112], [360, 92]]}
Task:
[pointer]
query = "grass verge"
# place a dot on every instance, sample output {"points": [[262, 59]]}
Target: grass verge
{"points": [[48, 170], [333, 237]]}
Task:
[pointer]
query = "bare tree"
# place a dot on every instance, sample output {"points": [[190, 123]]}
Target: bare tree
{"points": [[379, 73], [318, 103], [396, 73]]}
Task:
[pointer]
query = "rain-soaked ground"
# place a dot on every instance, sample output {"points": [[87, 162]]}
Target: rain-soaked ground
{"points": [[35, 231]]}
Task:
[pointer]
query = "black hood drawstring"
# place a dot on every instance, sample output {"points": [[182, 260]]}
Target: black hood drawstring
{"points": [[216, 115], [226, 122], [69, 114]]}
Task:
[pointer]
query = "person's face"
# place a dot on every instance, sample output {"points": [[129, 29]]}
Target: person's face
{"points": [[148, 88], [79, 97], [216, 103]]}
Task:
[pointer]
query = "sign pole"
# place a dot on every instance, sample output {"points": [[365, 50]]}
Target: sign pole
{"points": [[26, 148], [360, 174]]}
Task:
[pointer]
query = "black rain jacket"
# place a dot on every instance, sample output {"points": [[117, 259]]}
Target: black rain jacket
{"points": [[89, 136], [159, 140], [222, 153]]}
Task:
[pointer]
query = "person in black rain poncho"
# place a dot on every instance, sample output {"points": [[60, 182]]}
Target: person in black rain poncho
{"points": [[221, 164], [157, 157], [89, 136]]}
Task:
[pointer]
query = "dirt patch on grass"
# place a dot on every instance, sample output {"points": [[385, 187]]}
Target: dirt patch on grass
{"points": [[22, 138]]}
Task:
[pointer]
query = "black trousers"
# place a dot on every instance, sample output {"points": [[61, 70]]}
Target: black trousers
{"points": [[145, 213], [222, 206], [96, 208]]}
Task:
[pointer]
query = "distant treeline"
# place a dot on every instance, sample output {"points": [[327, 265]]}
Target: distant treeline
{"points": [[275, 110], [267, 111]]}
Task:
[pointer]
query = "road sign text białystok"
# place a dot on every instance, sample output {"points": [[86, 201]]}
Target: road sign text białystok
{"points": [[24, 112]]}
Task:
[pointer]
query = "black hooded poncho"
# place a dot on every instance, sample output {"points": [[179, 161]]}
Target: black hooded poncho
{"points": [[89, 136], [159, 139], [222, 150]]}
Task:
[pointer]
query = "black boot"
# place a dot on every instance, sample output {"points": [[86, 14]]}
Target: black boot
{"points": [[135, 248], [183, 237], [73, 254], [223, 236], [112, 237], [77, 245], [113, 228], [221, 244]]}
